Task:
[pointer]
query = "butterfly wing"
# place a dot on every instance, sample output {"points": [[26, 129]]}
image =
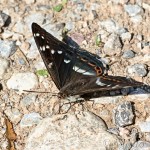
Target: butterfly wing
{"points": [[56, 55], [89, 84], [74, 71]]}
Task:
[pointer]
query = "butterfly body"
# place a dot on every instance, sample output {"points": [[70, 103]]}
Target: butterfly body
{"points": [[75, 71]]}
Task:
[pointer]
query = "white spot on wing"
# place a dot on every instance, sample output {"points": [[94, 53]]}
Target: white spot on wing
{"points": [[42, 37], [116, 86], [98, 82], [47, 47], [67, 61], [59, 52], [43, 48], [50, 65], [52, 51], [77, 69], [37, 34]]}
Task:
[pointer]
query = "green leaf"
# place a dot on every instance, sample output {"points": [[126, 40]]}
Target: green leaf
{"points": [[64, 2], [98, 40], [58, 8], [43, 72]]}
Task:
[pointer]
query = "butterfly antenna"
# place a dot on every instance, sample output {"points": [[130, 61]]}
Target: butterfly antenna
{"points": [[32, 91]]}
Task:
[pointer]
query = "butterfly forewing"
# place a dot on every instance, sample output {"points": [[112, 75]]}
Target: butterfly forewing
{"points": [[75, 71], [53, 52]]}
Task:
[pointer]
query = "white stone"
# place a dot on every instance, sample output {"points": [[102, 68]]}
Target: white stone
{"points": [[132, 10], [30, 119], [136, 19], [110, 25], [7, 48], [4, 64], [13, 114], [22, 81], [107, 100], [113, 45], [141, 145], [126, 35], [29, 1], [84, 131]]}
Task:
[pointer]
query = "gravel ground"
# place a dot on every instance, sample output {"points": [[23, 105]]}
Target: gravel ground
{"points": [[116, 30]]}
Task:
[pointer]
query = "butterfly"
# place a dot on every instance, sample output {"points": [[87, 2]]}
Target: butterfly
{"points": [[73, 70]]}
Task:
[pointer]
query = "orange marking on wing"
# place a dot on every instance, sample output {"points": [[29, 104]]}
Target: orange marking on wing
{"points": [[98, 71]]}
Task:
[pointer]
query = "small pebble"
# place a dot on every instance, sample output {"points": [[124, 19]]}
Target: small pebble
{"points": [[123, 114], [133, 10], [144, 126], [4, 19], [22, 81], [141, 145], [7, 48], [113, 45], [110, 25], [13, 114], [4, 64], [136, 19], [126, 36], [138, 69], [30, 119], [28, 99], [128, 54]]}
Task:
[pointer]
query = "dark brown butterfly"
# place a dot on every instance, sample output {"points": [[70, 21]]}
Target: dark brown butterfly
{"points": [[75, 71]]}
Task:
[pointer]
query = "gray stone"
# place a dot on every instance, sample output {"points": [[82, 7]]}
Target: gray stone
{"points": [[7, 34], [141, 145], [7, 48], [133, 10], [22, 81], [110, 25], [33, 52], [138, 69], [69, 25], [120, 1], [71, 131], [126, 36], [146, 6], [145, 126], [136, 19], [139, 94], [34, 17], [28, 99], [30, 1], [30, 119], [4, 64], [113, 45], [139, 37], [121, 31], [19, 27], [123, 114], [107, 100], [128, 54], [13, 114], [3, 19]]}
